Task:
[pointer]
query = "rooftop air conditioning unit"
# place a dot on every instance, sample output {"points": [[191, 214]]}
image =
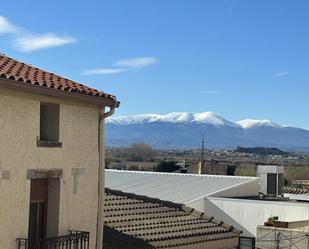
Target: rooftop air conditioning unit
{"points": [[271, 180]]}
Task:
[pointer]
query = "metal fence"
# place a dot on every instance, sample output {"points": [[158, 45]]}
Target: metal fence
{"points": [[74, 240]]}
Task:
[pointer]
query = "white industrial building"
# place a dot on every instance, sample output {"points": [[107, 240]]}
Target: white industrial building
{"points": [[227, 198], [180, 188], [247, 214]]}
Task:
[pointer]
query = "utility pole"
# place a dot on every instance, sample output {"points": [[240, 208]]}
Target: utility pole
{"points": [[203, 154]]}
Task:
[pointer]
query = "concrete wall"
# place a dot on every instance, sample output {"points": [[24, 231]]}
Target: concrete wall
{"points": [[243, 190], [246, 215], [299, 225], [19, 128], [204, 205], [269, 238]]}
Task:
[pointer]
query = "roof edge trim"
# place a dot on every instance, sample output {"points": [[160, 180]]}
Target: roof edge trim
{"points": [[182, 174], [36, 89]]}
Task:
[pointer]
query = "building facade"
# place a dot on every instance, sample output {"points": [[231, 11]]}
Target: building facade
{"points": [[49, 157]]}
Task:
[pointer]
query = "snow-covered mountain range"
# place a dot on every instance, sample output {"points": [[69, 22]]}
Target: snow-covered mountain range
{"points": [[183, 130]]}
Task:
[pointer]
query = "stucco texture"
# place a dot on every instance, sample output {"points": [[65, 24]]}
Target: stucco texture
{"points": [[19, 128]]}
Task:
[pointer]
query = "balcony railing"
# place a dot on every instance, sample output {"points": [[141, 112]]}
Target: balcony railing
{"points": [[74, 240]]}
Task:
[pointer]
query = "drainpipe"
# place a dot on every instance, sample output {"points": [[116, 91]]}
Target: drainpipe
{"points": [[101, 184]]}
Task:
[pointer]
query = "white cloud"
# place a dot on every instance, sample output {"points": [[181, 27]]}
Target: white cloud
{"points": [[281, 74], [104, 71], [29, 42], [6, 26], [212, 91], [124, 65], [26, 41], [137, 62]]}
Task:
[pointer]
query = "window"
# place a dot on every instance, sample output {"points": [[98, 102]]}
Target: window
{"points": [[49, 124], [246, 242]]}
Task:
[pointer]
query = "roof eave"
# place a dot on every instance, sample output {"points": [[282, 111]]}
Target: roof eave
{"points": [[36, 89]]}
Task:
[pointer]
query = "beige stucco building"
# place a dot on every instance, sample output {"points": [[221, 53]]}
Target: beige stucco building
{"points": [[50, 139]]}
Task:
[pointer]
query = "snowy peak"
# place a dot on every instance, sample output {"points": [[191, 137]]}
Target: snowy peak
{"points": [[135, 119], [187, 117], [211, 118], [173, 117], [176, 117], [252, 123], [183, 130]]}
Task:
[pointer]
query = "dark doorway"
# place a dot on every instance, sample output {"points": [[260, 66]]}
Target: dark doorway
{"points": [[38, 211]]}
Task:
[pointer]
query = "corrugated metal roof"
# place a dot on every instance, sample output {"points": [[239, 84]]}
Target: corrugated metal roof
{"points": [[175, 187]]}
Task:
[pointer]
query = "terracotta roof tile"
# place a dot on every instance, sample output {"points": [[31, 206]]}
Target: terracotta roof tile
{"points": [[294, 190], [164, 224], [27, 74], [116, 240]]}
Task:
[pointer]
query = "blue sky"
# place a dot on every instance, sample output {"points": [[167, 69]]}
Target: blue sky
{"points": [[240, 59]]}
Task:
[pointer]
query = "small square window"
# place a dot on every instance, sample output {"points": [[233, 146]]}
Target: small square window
{"points": [[49, 122]]}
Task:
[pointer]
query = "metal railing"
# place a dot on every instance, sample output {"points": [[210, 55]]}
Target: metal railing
{"points": [[74, 240]]}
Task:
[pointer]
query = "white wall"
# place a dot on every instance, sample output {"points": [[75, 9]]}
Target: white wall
{"points": [[246, 215], [243, 190]]}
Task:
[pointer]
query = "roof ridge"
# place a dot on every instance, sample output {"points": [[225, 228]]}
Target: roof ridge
{"points": [[144, 198], [181, 174]]}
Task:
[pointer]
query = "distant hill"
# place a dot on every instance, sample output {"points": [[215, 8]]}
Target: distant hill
{"points": [[183, 130], [261, 151]]}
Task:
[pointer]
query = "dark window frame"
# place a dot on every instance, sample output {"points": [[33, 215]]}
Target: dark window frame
{"points": [[50, 130]]}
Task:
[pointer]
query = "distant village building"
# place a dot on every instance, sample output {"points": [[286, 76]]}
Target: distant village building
{"points": [[300, 183], [49, 159], [210, 166]]}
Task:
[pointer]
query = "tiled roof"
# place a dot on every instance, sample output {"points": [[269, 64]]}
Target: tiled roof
{"points": [[116, 240], [27, 74], [162, 224], [293, 190]]}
